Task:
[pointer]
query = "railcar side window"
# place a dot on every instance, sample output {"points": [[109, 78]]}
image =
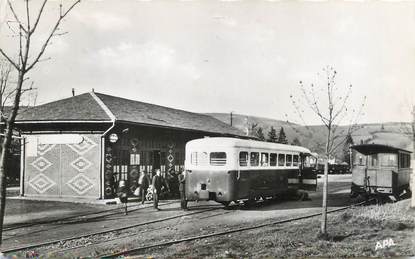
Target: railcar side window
{"points": [[264, 159], [281, 159], [295, 160], [254, 161], [243, 158], [289, 160], [218, 158], [273, 159]]}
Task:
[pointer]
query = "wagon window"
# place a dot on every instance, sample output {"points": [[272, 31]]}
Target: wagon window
{"points": [[254, 159], [273, 159], [373, 160], [281, 159], [289, 160], [388, 159], [264, 159], [243, 158], [218, 158], [404, 161], [295, 160]]}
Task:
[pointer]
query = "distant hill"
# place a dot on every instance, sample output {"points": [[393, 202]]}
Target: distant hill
{"points": [[313, 137]]}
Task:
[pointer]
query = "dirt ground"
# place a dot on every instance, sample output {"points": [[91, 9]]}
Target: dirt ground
{"points": [[294, 239]]}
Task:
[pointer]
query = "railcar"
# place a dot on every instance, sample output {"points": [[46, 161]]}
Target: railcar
{"points": [[230, 169], [380, 170]]}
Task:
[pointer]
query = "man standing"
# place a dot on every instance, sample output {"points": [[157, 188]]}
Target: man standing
{"points": [[157, 184], [182, 181], [143, 182]]}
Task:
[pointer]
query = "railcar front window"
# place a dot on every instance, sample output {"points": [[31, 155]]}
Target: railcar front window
{"points": [[254, 159], [281, 159], [289, 160], [295, 160], [243, 158], [217, 158], [264, 159], [272, 159]]}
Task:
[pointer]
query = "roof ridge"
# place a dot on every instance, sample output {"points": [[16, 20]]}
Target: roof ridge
{"points": [[157, 105], [103, 106]]}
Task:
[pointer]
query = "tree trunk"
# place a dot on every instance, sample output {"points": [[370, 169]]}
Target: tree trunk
{"points": [[3, 165], [323, 229], [412, 175], [5, 146]]}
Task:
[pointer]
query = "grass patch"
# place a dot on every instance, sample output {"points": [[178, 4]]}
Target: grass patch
{"points": [[351, 233]]}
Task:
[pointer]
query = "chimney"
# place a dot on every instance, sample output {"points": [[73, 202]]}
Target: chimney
{"points": [[73, 91]]}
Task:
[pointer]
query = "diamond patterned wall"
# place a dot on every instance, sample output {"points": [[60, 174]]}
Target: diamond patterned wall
{"points": [[64, 170]]}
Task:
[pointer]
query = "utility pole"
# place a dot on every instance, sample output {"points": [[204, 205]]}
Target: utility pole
{"points": [[231, 118]]}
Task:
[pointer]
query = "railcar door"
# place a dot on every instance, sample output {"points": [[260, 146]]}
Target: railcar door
{"points": [[308, 175]]}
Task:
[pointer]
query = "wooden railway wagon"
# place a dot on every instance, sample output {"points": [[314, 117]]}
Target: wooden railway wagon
{"points": [[231, 169], [380, 170]]}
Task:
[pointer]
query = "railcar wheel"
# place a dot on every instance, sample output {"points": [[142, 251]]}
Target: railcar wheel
{"points": [[225, 203]]}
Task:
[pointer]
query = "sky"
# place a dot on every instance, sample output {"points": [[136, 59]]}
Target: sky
{"points": [[245, 57]]}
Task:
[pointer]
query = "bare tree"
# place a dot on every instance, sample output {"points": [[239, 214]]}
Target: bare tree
{"points": [[412, 177], [23, 27], [331, 106]]}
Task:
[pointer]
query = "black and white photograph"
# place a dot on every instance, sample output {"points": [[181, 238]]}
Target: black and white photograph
{"points": [[207, 129]]}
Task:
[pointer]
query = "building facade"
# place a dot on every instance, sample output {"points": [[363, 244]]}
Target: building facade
{"points": [[83, 145]]}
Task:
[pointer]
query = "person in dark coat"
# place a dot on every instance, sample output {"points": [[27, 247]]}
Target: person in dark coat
{"points": [[144, 183], [157, 184], [182, 181]]}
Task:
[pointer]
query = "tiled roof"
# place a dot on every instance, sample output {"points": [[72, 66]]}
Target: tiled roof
{"points": [[85, 107], [146, 113], [77, 108]]}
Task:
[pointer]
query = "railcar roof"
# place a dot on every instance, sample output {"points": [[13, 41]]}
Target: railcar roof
{"points": [[368, 149], [243, 143]]}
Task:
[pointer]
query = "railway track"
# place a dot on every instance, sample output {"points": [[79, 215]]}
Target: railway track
{"points": [[57, 241], [220, 233], [81, 217]]}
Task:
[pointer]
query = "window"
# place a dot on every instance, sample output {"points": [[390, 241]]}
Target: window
{"points": [[193, 158], [295, 160], [254, 159], [264, 159], [218, 158], [361, 160], [281, 159], [289, 160], [388, 159], [373, 160], [203, 158], [243, 158], [273, 159], [134, 159], [197, 158], [405, 161]]}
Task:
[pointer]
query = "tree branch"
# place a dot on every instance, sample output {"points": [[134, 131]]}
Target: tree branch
{"points": [[45, 44]]}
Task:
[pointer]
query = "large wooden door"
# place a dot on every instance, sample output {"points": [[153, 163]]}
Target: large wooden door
{"points": [[55, 167]]}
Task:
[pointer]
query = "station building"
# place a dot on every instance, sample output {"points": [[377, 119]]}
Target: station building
{"points": [[80, 147]]}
